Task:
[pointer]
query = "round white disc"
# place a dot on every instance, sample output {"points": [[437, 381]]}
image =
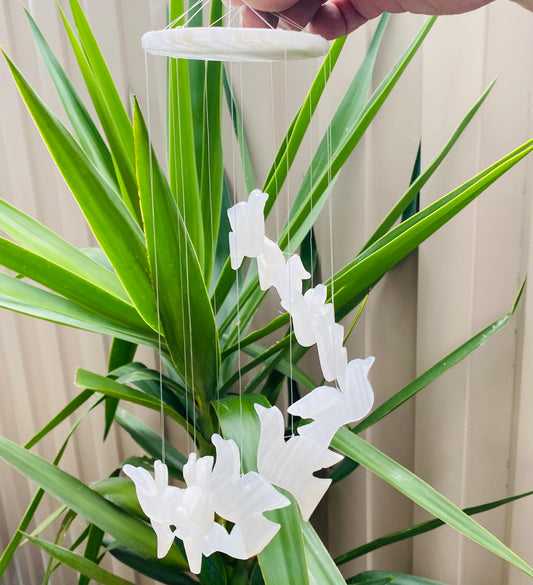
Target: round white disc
{"points": [[234, 44]]}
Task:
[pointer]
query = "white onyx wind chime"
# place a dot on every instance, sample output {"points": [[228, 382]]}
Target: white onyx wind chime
{"points": [[217, 487]]}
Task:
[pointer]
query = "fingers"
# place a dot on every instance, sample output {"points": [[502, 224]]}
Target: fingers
{"points": [[335, 19], [298, 16], [258, 19]]}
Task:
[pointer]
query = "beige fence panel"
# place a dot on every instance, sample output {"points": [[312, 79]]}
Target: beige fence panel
{"points": [[469, 434]]}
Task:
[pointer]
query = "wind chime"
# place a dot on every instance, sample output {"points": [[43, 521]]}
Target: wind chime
{"points": [[217, 487]]}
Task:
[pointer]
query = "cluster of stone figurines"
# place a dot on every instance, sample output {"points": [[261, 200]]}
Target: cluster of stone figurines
{"points": [[218, 486]]}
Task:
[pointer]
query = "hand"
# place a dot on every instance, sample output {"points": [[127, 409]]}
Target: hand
{"points": [[336, 18]]}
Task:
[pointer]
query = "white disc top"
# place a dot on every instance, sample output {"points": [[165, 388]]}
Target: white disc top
{"points": [[234, 44]]}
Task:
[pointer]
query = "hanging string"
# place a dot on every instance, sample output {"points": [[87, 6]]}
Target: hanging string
{"points": [[156, 273], [197, 12], [239, 333], [182, 16], [330, 217], [288, 190], [311, 170], [181, 234]]}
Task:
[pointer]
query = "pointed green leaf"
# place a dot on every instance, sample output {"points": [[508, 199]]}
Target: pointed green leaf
{"points": [[82, 124], [183, 173], [321, 567], [131, 532], [383, 577], [112, 224], [355, 279], [422, 494], [291, 141], [92, 549], [338, 143], [70, 285], [14, 543], [149, 440], [187, 318], [107, 103], [109, 387], [65, 412], [82, 565], [420, 528], [22, 297], [424, 177], [436, 370], [37, 238], [152, 569], [122, 352], [278, 565]]}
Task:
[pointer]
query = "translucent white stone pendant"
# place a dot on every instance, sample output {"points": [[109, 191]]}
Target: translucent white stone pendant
{"points": [[234, 44]]}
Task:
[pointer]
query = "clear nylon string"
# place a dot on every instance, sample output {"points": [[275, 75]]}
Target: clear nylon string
{"points": [[156, 274], [182, 16]]}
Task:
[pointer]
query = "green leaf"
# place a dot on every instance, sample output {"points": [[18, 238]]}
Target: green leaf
{"points": [[152, 569], [109, 387], [238, 421], [22, 297], [422, 494], [36, 238], [121, 353], [238, 129], [321, 567], [260, 356], [78, 563], [298, 127], [424, 177], [92, 549], [112, 224], [121, 492], [366, 579], [187, 318], [82, 124], [129, 531], [368, 267], [437, 370], [150, 441], [65, 412], [14, 543], [212, 163], [107, 103], [338, 143], [383, 577], [181, 145], [420, 528], [276, 564], [69, 285]]}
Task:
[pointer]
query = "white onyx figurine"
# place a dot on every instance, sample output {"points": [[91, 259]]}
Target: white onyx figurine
{"points": [[158, 501], [330, 408], [285, 276], [247, 222], [290, 465], [329, 343], [303, 310], [240, 499]]}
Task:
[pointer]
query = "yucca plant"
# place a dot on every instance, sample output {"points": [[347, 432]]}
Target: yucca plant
{"points": [[161, 278]]}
